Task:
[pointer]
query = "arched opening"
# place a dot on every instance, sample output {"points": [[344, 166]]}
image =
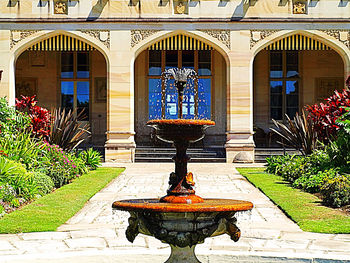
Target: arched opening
{"points": [[288, 74], [63, 71], [184, 52]]}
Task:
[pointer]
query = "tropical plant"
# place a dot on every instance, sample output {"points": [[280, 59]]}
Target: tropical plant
{"points": [[91, 158], [299, 133], [325, 115], [40, 117], [66, 130]]}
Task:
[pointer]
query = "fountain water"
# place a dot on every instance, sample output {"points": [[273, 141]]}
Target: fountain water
{"points": [[181, 218]]}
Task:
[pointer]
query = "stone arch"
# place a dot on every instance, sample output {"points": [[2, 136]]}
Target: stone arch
{"points": [[24, 44], [337, 46], [215, 43]]}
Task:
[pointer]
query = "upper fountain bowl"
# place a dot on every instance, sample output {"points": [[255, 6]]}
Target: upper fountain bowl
{"points": [[180, 129]]}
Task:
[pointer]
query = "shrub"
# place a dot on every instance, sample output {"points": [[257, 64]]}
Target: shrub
{"points": [[324, 115], [40, 117], [91, 158], [58, 165], [336, 191], [299, 133], [66, 131], [44, 183], [294, 168], [311, 182], [11, 121], [274, 164], [15, 175]]}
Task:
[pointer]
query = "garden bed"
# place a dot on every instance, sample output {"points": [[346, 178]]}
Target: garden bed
{"points": [[52, 210], [304, 208]]}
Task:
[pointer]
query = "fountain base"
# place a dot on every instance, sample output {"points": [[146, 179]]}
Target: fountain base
{"points": [[182, 226]]}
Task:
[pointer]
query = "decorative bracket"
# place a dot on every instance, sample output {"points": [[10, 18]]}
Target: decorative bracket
{"points": [[138, 35], [223, 36], [258, 35], [101, 35]]}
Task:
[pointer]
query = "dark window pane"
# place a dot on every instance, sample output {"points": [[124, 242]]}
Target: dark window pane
{"points": [[292, 64], [276, 113], [188, 59], [82, 65], [67, 65], [67, 94], [292, 95], [171, 59], [291, 112], [276, 100], [155, 62], [204, 62], [276, 69]]}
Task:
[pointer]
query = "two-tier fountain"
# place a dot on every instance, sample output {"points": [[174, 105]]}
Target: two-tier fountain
{"points": [[181, 218]]}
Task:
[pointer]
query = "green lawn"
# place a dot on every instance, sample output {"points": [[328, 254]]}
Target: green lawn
{"points": [[304, 208], [50, 211]]}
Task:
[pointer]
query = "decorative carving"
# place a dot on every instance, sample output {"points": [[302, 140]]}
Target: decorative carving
{"points": [[223, 36], [18, 35], [180, 7], [258, 35], [299, 8], [101, 35], [60, 7], [341, 35], [138, 35]]}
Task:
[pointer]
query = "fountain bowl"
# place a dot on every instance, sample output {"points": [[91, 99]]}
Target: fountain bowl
{"points": [[180, 129]]}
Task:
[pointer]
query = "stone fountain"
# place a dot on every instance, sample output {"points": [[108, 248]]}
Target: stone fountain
{"points": [[181, 218]]}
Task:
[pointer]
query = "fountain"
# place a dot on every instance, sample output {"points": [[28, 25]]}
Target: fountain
{"points": [[181, 218]]}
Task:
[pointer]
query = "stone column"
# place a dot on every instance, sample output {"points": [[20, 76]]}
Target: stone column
{"points": [[120, 145], [7, 82], [239, 144]]}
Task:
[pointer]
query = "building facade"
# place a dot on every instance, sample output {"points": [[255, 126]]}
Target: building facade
{"points": [[256, 60]]}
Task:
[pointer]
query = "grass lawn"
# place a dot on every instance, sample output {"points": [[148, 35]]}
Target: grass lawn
{"points": [[304, 208], [50, 211]]}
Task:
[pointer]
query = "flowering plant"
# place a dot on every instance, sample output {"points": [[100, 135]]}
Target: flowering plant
{"points": [[59, 165], [40, 117]]}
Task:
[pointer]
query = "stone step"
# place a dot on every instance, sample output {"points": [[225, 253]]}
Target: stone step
{"points": [[262, 153]]}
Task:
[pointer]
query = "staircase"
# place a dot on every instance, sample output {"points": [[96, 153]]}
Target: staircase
{"points": [[262, 153], [197, 155]]}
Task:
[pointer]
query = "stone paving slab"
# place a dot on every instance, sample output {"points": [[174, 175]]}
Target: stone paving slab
{"points": [[95, 234]]}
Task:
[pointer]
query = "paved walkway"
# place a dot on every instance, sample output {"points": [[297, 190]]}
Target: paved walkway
{"points": [[95, 234]]}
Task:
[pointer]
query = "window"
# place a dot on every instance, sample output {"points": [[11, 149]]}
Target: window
{"points": [[200, 61], [75, 82], [284, 84]]}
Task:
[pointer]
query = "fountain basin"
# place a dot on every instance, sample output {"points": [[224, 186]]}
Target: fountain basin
{"points": [[182, 226], [180, 129]]}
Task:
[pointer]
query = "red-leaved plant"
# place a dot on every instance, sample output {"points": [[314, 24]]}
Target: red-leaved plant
{"points": [[324, 115], [40, 117]]}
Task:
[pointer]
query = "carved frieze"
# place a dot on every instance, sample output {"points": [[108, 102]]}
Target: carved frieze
{"points": [[18, 35], [223, 36], [102, 35], [258, 35], [138, 35], [341, 35]]}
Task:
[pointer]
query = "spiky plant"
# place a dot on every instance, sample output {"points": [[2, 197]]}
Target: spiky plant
{"points": [[66, 130], [298, 133]]}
